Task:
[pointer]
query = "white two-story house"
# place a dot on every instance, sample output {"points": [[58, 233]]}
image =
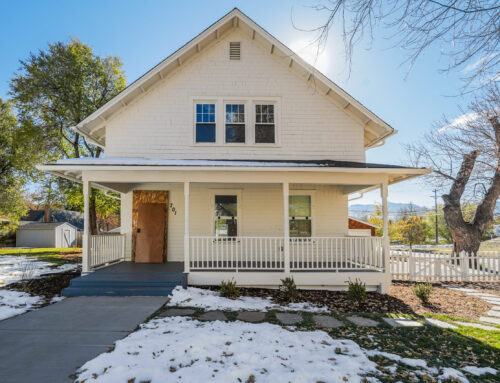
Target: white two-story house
{"points": [[235, 159]]}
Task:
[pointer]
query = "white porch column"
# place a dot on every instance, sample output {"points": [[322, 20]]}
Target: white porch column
{"points": [[86, 226], [186, 227], [385, 226], [286, 229]]}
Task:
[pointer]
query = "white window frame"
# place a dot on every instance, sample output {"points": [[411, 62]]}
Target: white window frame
{"points": [[220, 120], [239, 205], [194, 122], [312, 194], [254, 125]]}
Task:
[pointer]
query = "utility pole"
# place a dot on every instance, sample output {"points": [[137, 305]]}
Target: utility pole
{"points": [[436, 215]]}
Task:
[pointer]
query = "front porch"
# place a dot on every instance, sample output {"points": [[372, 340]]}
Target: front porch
{"points": [[251, 222]]}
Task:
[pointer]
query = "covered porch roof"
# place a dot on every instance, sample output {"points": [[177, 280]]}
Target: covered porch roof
{"points": [[123, 174]]}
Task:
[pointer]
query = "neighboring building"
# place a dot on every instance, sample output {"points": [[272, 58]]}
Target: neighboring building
{"points": [[361, 228], [234, 158], [51, 234], [75, 218]]}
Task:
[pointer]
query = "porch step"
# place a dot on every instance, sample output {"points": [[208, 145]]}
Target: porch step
{"points": [[102, 283], [116, 292]]}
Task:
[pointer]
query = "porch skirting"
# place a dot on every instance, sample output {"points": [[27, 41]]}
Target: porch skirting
{"points": [[375, 281]]}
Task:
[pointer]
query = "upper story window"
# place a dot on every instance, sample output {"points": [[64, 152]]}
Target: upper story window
{"points": [[235, 123], [264, 124], [205, 122]]}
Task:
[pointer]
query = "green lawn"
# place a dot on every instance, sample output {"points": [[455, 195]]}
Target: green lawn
{"points": [[53, 255]]}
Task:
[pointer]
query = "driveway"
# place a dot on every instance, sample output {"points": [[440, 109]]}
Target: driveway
{"points": [[49, 344]]}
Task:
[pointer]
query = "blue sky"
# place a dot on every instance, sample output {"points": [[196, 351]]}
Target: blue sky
{"points": [[142, 33]]}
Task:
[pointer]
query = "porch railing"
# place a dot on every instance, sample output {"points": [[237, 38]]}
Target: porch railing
{"points": [[105, 249], [267, 253]]}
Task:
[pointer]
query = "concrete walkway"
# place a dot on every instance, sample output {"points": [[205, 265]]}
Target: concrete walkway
{"points": [[49, 344]]}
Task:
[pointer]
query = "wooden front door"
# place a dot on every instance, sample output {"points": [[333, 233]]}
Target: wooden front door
{"points": [[150, 232]]}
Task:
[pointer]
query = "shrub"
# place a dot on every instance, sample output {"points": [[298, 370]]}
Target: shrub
{"points": [[289, 289], [423, 292], [356, 290], [229, 290]]}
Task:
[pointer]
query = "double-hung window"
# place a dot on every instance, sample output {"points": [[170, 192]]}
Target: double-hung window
{"points": [[235, 123], [226, 215], [205, 123], [264, 124], [300, 215]]}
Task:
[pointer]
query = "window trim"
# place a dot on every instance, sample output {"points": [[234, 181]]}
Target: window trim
{"points": [[194, 122], [312, 194], [254, 126], [239, 205], [220, 117], [245, 116]]}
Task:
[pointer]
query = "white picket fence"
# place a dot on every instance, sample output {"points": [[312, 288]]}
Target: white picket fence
{"points": [[445, 267]]}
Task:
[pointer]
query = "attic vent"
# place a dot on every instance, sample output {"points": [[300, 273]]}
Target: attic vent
{"points": [[234, 50]]}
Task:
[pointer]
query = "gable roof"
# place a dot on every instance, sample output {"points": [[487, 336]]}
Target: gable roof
{"points": [[75, 218], [94, 126], [364, 222]]}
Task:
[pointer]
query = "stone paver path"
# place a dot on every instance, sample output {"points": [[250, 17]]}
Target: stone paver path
{"points": [[439, 323], [402, 322], [176, 312], [363, 322], [213, 316], [251, 316], [325, 321], [478, 325], [288, 319], [492, 316]]}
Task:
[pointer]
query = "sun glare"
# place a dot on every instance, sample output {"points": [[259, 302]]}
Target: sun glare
{"points": [[308, 51]]}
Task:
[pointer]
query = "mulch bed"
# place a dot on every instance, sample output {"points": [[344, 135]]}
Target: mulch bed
{"points": [[48, 286], [485, 287], [443, 301], [75, 257], [400, 300]]}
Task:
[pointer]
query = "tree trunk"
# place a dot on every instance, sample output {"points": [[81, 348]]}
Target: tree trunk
{"points": [[92, 214]]}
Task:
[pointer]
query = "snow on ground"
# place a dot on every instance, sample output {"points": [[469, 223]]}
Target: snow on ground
{"points": [[478, 371], [15, 303], [13, 268], [179, 349], [211, 300]]}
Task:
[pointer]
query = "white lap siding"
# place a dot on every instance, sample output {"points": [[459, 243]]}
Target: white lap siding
{"points": [[260, 211], [160, 123]]}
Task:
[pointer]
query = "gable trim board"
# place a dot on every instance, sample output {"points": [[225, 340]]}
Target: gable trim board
{"points": [[376, 131]]}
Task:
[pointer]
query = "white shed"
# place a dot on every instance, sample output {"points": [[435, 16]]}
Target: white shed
{"points": [[51, 234]]}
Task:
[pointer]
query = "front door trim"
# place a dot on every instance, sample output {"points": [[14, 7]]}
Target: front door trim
{"points": [[152, 196]]}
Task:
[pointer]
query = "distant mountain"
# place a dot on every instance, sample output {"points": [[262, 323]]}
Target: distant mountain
{"points": [[360, 210]]}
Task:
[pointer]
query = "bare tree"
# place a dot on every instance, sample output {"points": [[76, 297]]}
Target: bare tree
{"points": [[468, 32], [465, 154]]}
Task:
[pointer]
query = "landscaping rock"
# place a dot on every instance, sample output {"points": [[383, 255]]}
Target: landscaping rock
{"points": [[439, 323], [493, 313], [288, 318], [251, 316], [325, 321], [490, 320], [213, 316], [402, 322], [176, 312], [361, 321], [478, 325]]}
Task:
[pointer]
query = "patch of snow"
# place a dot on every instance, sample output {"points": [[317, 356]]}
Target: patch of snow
{"points": [[16, 302], [57, 299], [179, 349], [478, 371], [211, 300], [449, 373], [14, 268], [408, 361]]}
